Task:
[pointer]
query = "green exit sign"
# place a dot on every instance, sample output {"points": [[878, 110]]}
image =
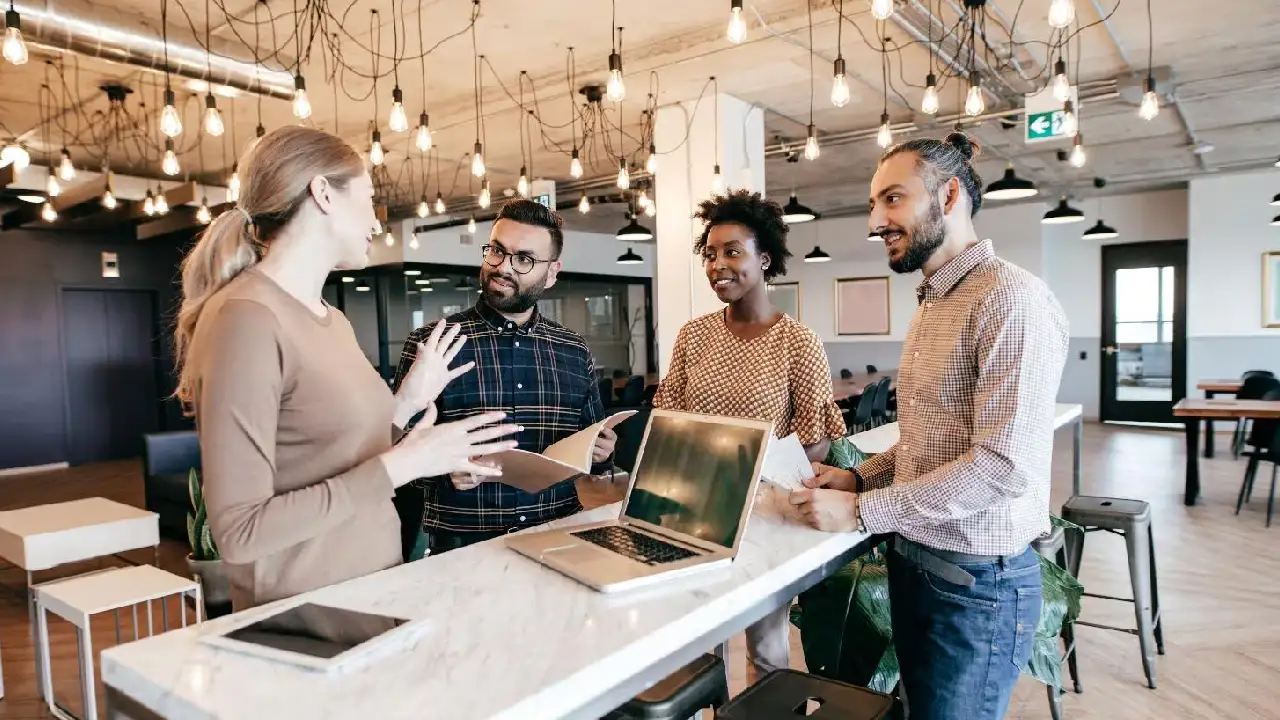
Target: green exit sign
{"points": [[1045, 126]]}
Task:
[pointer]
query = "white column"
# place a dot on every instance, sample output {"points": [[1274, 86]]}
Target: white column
{"points": [[687, 147]]}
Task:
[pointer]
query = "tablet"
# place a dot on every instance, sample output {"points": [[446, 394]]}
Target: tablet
{"points": [[317, 637]]}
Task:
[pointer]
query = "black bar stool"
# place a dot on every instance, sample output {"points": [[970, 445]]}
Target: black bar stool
{"points": [[791, 693], [701, 684]]}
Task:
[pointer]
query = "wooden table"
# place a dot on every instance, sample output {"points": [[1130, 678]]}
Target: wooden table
{"points": [[845, 389], [1214, 387], [1195, 410]]}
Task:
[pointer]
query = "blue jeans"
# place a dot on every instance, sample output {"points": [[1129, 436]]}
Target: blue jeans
{"points": [[961, 648]]}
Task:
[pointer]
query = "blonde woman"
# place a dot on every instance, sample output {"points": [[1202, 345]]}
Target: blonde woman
{"points": [[296, 428]]}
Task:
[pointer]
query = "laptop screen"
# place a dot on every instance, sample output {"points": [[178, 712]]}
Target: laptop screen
{"points": [[694, 475]]}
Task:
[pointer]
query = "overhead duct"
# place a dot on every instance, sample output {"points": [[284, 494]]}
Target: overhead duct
{"points": [[80, 28]]}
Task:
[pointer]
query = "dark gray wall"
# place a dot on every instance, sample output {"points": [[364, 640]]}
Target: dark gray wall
{"points": [[35, 267]]}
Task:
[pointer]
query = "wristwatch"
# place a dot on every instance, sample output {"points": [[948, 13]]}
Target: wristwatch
{"points": [[857, 480]]}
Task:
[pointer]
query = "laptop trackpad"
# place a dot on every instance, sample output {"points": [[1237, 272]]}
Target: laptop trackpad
{"points": [[579, 553]]}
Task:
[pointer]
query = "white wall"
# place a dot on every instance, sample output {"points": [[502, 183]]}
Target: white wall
{"points": [[595, 253]]}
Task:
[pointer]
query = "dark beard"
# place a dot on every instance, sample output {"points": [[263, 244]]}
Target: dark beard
{"points": [[523, 299], [926, 238]]}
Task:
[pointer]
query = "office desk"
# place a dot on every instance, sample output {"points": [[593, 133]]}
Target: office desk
{"points": [[1193, 411], [1212, 388], [510, 638], [877, 440]]}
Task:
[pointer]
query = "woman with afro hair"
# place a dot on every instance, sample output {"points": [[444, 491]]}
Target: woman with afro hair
{"points": [[751, 360]]}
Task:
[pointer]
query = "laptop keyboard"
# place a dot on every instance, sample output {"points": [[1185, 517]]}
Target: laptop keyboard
{"points": [[637, 546]]}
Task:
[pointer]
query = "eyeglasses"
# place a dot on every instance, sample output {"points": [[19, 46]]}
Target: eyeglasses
{"points": [[521, 262]]}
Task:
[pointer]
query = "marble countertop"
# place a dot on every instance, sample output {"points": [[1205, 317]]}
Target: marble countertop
{"points": [[877, 440], [507, 637]]}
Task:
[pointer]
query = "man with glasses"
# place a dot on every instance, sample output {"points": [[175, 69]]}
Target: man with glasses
{"points": [[538, 372]]}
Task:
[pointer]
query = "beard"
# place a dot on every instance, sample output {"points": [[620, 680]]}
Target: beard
{"points": [[924, 240], [524, 297]]}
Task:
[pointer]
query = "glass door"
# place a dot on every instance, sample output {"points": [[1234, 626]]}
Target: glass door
{"points": [[1143, 331]]}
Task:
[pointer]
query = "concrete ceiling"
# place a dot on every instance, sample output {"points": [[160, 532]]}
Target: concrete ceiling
{"points": [[1223, 58]]}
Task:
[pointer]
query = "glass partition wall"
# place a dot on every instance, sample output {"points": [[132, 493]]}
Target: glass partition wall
{"points": [[385, 303]]}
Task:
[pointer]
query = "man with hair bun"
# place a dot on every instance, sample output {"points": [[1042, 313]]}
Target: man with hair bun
{"points": [[966, 488]]}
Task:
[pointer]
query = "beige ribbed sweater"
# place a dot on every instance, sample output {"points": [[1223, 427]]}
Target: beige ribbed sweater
{"points": [[292, 418]]}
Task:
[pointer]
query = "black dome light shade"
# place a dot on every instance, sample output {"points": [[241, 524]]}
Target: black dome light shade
{"points": [[1100, 231], [1062, 214], [629, 258], [793, 212], [1010, 187], [817, 255], [634, 231]]}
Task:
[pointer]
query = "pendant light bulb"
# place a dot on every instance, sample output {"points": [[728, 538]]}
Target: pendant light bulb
{"points": [[881, 9], [615, 89], [1150, 107], [301, 105], [203, 216], [1070, 123], [389, 239], [399, 121], [149, 204], [213, 124], [1078, 156], [170, 120], [811, 145], [1062, 13], [584, 205], [929, 106], [884, 138], [15, 155], [440, 207], [422, 137], [108, 200], [423, 208], [651, 164], [162, 204], [737, 31], [624, 178], [1061, 84], [575, 165], [51, 186], [717, 182], [66, 168], [47, 213], [974, 103], [471, 225], [377, 226], [413, 241], [170, 164], [485, 197], [233, 185], [477, 160], [522, 185], [643, 200], [15, 48], [376, 155], [651, 209], [839, 85]]}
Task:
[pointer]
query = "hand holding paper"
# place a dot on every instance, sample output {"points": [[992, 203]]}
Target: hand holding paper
{"points": [[786, 464]]}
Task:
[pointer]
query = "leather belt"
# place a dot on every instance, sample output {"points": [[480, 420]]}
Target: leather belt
{"points": [[943, 563]]}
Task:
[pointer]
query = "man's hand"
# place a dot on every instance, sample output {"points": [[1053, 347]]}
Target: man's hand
{"points": [[825, 476], [604, 446], [430, 372], [827, 510], [469, 480]]}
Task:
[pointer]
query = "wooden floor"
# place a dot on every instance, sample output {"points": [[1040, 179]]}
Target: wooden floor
{"points": [[1219, 588]]}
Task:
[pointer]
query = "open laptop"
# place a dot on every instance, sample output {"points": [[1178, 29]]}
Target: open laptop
{"points": [[686, 507]]}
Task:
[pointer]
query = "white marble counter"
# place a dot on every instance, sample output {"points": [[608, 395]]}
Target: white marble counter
{"points": [[877, 440], [509, 637]]}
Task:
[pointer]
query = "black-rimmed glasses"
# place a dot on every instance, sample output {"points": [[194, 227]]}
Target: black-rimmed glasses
{"points": [[521, 262]]}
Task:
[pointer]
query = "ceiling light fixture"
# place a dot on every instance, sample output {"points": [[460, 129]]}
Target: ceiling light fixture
{"points": [[817, 256], [1061, 84], [630, 258], [170, 120], [624, 178], [1275, 201], [1062, 214], [1100, 231], [651, 163], [423, 208], [881, 9], [471, 225], [440, 206], [1070, 123], [1010, 187], [477, 160], [301, 105], [794, 213], [584, 205], [737, 31], [47, 213], [929, 106], [633, 230], [399, 119], [203, 216], [615, 88], [884, 136], [376, 155], [485, 198], [18, 156], [1062, 13], [66, 168], [170, 164], [213, 124], [1275, 221], [15, 48], [522, 186], [51, 187], [422, 137], [162, 203], [1078, 157], [974, 103], [33, 199]]}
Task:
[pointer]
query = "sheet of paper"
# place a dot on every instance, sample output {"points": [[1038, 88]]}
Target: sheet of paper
{"points": [[533, 472], [786, 464]]}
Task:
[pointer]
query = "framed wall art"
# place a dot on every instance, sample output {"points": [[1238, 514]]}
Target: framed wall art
{"points": [[786, 297], [862, 306]]}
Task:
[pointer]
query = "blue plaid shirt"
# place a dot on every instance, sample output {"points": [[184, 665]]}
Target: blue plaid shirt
{"points": [[543, 376]]}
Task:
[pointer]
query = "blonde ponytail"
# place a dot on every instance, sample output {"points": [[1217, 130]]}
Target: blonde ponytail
{"points": [[277, 175]]}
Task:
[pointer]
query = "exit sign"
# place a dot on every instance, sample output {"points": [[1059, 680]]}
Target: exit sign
{"points": [[1044, 116], [1044, 126]]}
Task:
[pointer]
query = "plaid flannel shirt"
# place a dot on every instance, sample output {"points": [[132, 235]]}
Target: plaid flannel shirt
{"points": [[977, 386], [543, 376]]}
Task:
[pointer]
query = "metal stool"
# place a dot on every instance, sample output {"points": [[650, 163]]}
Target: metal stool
{"points": [[1052, 546], [1132, 519], [701, 684], [791, 693]]}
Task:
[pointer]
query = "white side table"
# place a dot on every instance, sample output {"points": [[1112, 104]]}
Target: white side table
{"points": [[46, 536], [78, 599]]}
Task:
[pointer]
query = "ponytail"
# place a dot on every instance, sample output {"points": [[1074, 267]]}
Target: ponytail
{"points": [[225, 249]]}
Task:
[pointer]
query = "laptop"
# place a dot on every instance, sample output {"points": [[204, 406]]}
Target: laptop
{"points": [[686, 508]]}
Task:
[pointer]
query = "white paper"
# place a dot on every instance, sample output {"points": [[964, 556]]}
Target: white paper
{"points": [[786, 464]]}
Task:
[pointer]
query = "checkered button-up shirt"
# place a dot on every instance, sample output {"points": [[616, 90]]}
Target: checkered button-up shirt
{"points": [[543, 376], [976, 390]]}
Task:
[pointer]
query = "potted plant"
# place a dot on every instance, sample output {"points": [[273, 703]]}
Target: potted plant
{"points": [[204, 562]]}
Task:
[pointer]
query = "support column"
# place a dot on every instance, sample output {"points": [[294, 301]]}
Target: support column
{"points": [[686, 143]]}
